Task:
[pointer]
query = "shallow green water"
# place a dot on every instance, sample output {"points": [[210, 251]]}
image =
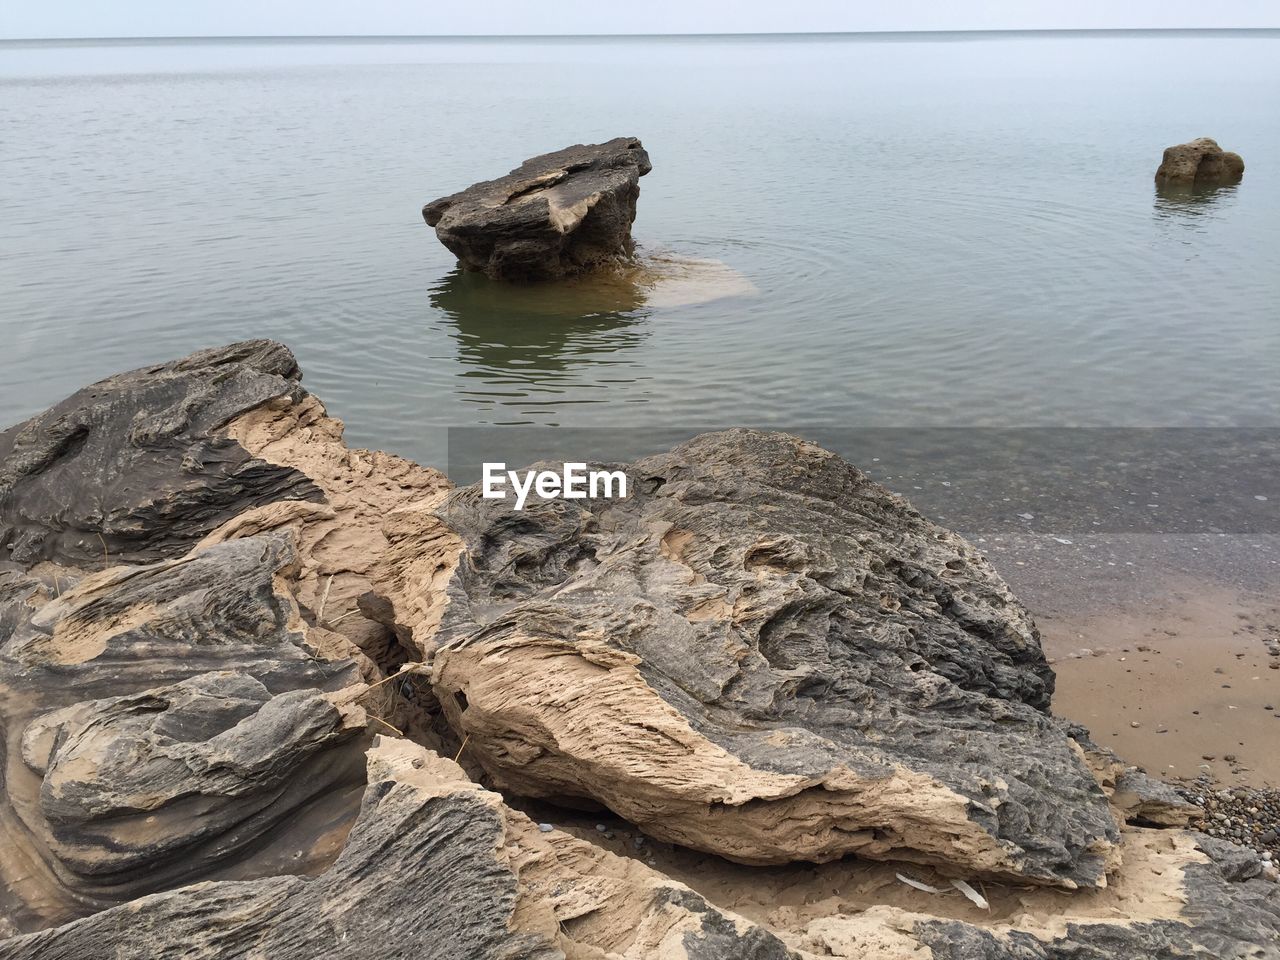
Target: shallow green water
{"points": [[939, 230]]}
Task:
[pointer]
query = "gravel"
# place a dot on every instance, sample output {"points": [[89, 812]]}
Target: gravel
{"points": [[1248, 816]]}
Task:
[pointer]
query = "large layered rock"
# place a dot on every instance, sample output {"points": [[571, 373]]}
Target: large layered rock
{"points": [[763, 654], [759, 652], [434, 867], [1200, 163], [167, 722], [139, 466], [181, 651], [555, 215]]}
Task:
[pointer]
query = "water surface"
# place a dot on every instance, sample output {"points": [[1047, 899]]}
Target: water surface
{"points": [[939, 230]]}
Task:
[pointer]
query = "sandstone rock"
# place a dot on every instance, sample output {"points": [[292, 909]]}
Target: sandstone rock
{"points": [[131, 782], [555, 215], [434, 867], [1135, 796], [189, 712], [165, 723], [765, 655], [759, 652], [1199, 163]]}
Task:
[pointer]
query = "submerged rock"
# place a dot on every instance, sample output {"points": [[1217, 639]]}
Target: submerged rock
{"points": [[763, 654], [555, 215], [1199, 163]]}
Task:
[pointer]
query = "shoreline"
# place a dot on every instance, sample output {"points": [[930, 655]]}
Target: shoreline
{"points": [[1183, 691], [817, 711]]}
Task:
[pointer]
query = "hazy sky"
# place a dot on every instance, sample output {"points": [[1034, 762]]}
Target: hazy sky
{"points": [[132, 18]]}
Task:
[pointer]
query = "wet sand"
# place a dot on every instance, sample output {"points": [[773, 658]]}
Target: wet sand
{"points": [[1161, 646], [1181, 691]]}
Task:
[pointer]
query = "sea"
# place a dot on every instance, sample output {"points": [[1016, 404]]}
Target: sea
{"points": [[888, 232]]}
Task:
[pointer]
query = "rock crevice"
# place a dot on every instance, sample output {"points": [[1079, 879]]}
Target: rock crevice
{"points": [[206, 730]]}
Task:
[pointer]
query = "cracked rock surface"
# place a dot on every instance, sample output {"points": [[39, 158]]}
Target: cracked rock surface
{"points": [[224, 729], [763, 654]]}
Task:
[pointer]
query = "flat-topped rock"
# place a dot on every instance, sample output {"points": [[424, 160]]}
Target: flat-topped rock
{"points": [[1199, 163], [555, 215]]}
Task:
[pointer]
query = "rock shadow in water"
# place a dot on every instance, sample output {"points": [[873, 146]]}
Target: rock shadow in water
{"points": [[517, 342], [530, 341], [1189, 203]]}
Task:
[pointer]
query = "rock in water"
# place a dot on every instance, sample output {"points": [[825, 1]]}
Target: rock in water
{"points": [[763, 654], [553, 216], [1199, 163]]}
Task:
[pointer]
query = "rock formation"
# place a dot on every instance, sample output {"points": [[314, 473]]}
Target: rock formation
{"points": [[758, 653], [181, 653], [434, 867], [1200, 163], [763, 654], [555, 215]]}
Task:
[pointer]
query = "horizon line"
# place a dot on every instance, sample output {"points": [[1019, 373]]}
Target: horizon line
{"points": [[641, 36]]}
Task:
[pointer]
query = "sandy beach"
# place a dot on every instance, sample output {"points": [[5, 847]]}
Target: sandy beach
{"points": [[1160, 646]]}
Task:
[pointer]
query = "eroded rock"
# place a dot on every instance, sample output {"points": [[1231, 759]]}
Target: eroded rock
{"points": [[434, 867], [136, 467], [168, 722], [130, 782], [182, 661], [763, 654], [758, 653], [554, 216], [1199, 163]]}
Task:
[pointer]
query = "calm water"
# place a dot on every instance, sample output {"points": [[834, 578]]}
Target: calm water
{"points": [[940, 231]]}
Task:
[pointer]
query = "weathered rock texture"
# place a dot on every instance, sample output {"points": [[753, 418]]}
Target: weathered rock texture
{"points": [[138, 466], [763, 654], [181, 655], [553, 216], [758, 653], [434, 867], [1199, 163]]}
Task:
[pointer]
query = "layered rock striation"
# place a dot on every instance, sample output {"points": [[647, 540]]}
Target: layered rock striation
{"points": [[763, 654], [554, 216], [208, 720]]}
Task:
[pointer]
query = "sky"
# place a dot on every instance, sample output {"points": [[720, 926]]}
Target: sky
{"points": [[168, 18]]}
